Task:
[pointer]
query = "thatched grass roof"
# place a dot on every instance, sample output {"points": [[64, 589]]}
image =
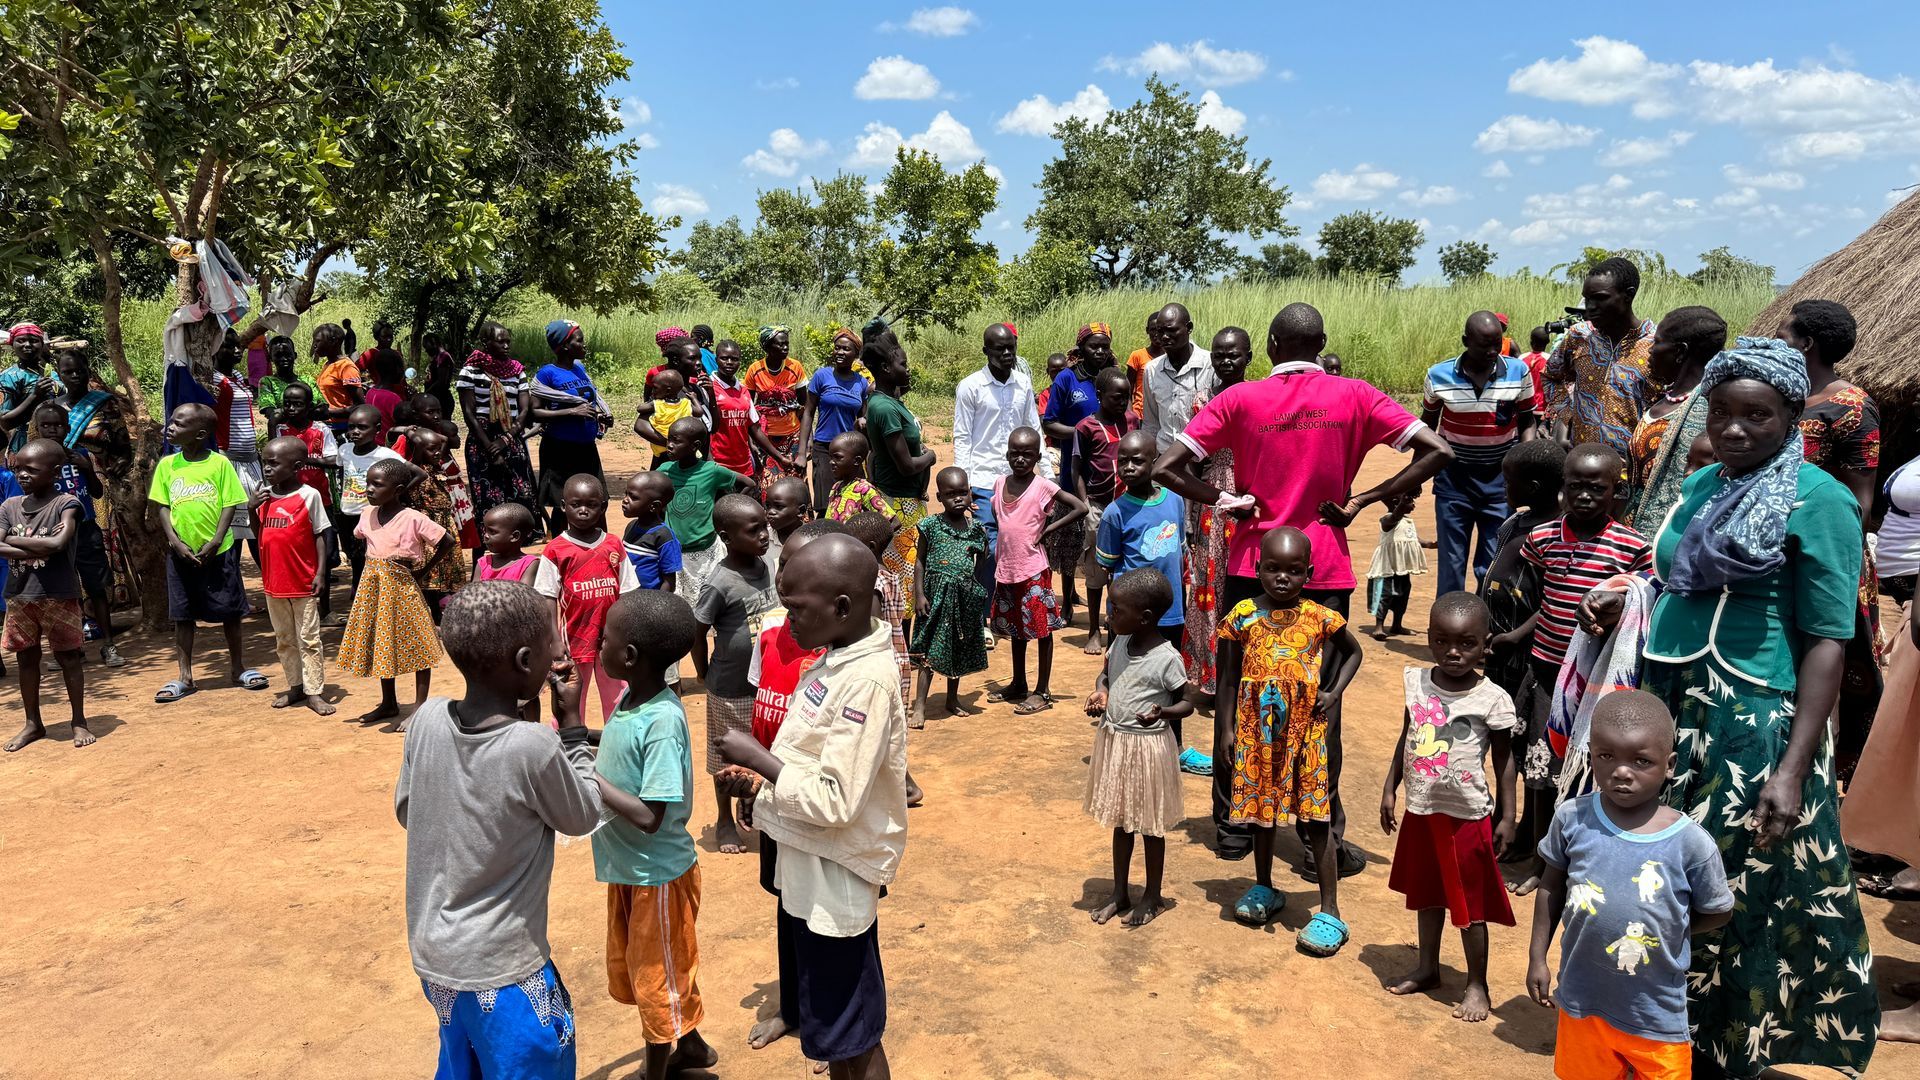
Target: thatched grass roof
{"points": [[1878, 278]]}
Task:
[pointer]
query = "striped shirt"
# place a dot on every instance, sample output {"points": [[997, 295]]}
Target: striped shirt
{"points": [[1569, 569], [474, 378], [1480, 424]]}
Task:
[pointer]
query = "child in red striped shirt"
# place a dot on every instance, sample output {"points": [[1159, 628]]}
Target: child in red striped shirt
{"points": [[1573, 553], [584, 570]]}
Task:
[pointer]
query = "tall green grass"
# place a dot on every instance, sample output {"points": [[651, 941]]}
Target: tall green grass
{"points": [[1387, 336]]}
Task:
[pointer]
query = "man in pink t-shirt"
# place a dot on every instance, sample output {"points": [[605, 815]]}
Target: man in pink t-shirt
{"points": [[1298, 439]]}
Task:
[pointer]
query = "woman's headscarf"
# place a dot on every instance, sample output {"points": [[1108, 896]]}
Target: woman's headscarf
{"points": [[849, 333], [1091, 329], [500, 369], [768, 332], [1740, 532], [558, 331]]}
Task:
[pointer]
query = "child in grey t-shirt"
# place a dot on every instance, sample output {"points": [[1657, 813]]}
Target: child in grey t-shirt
{"points": [[736, 594], [1635, 880]]}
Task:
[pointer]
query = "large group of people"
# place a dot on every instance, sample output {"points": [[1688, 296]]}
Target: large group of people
{"points": [[1657, 688]]}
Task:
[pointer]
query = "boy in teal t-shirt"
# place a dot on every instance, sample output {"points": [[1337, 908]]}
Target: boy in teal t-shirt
{"points": [[198, 493], [645, 854]]}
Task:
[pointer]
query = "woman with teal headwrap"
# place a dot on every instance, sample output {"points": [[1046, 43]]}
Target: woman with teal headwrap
{"points": [[1759, 561]]}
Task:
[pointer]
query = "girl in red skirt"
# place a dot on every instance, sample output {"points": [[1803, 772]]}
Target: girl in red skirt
{"points": [[1444, 860]]}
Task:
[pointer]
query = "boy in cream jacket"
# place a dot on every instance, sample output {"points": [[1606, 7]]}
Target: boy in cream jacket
{"points": [[833, 793]]}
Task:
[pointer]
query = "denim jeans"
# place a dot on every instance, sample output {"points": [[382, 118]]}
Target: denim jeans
{"points": [[983, 513], [1463, 506]]}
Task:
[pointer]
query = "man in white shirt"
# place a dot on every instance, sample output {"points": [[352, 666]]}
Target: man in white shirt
{"points": [[988, 405], [1175, 379]]}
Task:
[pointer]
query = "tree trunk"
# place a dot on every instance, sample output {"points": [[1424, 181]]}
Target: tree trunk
{"points": [[422, 308], [127, 488]]}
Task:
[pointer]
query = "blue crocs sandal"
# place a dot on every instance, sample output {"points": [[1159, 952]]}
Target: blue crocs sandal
{"points": [[1195, 762], [1323, 935], [1258, 905]]}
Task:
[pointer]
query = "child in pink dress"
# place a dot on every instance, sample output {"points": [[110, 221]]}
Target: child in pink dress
{"points": [[1024, 605]]}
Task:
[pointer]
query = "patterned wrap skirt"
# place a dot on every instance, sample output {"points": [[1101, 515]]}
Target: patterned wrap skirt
{"points": [[904, 555], [1026, 610], [390, 632], [1790, 980]]}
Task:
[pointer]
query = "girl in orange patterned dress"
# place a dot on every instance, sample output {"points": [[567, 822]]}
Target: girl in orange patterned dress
{"points": [[1273, 651]]}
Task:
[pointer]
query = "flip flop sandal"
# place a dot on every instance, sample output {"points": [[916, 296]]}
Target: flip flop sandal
{"points": [[174, 691], [1001, 696], [251, 680], [1882, 886], [1258, 905], [1323, 935], [1027, 708]]}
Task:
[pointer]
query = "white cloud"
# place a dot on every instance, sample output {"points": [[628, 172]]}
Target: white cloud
{"points": [[1523, 134], [1782, 180], [1433, 195], [1498, 170], [1826, 113], [945, 138], [1039, 114], [1220, 116], [1606, 213], [784, 150], [1607, 72], [1629, 153], [646, 141], [1363, 183], [678, 199], [785, 82], [896, 78], [1198, 60], [938, 22], [1746, 196], [631, 113]]}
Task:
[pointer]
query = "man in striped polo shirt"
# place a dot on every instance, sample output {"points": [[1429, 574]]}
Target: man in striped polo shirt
{"points": [[1481, 403]]}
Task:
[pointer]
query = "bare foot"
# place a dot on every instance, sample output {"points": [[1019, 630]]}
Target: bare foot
{"points": [[1902, 1025], [1399, 631], [1525, 886], [286, 698], [386, 710], [693, 1052], [30, 731], [83, 735], [1115, 904], [1144, 911], [955, 708], [727, 837], [320, 707], [918, 721], [1093, 646], [766, 1032], [1475, 1006], [915, 796], [401, 727], [1378, 634], [1417, 981]]}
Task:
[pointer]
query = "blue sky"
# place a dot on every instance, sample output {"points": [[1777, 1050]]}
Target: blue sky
{"points": [[1780, 130]]}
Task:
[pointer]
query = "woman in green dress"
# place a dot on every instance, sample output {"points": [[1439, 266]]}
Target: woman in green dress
{"points": [[1759, 561]]}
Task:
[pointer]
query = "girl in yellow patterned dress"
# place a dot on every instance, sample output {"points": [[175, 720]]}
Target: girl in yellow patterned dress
{"points": [[391, 631], [1273, 651]]}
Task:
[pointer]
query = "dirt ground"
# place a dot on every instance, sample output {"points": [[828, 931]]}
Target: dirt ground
{"points": [[216, 889]]}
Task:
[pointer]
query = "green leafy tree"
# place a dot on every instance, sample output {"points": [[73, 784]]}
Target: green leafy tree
{"points": [[1652, 264], [526, 98], [1464, 260], [1369, 244], [1279, 261], [927, 265], [717, 255], [1722, 267], [1155, 194], [815, 241], [1050, 270], [285, 129]]}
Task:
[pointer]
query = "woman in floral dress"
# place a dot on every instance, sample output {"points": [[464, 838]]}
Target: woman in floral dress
{"points": [[1209, 531], [1760, 562]]}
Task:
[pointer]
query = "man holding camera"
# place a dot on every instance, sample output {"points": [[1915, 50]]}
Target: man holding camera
{"points": [[1601, 362]]}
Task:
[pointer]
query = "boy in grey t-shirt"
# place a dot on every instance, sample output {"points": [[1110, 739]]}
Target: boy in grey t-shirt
{"points": [[1635, 880], [736, 594]]}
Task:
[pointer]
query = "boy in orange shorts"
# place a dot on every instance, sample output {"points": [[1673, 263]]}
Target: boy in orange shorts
{"points": [[646, 855], [1635, 879]]}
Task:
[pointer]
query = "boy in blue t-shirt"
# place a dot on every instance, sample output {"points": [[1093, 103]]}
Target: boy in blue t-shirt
{"points": [[1143, 527], [1635, 880], [652, 547], [646, 855]]}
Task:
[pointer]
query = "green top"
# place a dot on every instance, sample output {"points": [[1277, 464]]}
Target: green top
{"points": [[1757, 629], [645, 752], [273, 389], [695, 486], [195, 492], [887, 415]]}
